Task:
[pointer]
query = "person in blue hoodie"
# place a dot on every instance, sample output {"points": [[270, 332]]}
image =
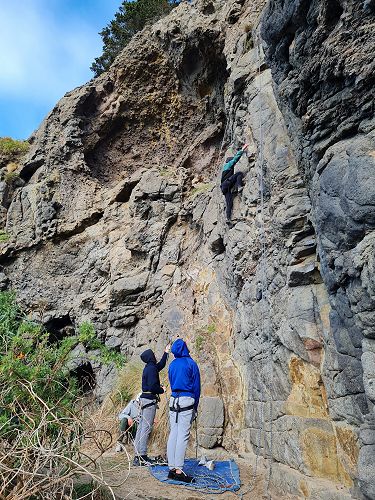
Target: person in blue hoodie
{"points": [[184, 379], [231, 182], [151, 389]]}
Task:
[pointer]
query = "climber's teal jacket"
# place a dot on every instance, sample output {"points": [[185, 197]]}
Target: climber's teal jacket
{"points": [[228, 168]]}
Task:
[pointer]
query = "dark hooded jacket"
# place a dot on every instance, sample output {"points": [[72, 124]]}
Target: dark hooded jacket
{"points": [[150, 376], [183, 373]]}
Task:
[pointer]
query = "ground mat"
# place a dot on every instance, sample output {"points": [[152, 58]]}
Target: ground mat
{"points": [[225, 476]]}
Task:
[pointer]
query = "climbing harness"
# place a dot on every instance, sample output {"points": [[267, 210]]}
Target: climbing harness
{"points": [[149, 405], [179, 409], [153, 402]]}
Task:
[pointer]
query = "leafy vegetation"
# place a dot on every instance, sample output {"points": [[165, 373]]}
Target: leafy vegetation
{"points": [[12, 146], [131, 17], [4, 236], [41, 405], [203, 334]]}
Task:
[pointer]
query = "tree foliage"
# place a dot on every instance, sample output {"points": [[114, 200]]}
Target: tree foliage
{"points": [[131, 17]]}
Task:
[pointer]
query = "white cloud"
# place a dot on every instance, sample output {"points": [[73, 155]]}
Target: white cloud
{"points": [[41, 58]]}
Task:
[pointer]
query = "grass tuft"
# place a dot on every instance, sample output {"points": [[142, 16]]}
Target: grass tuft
{"points": [[4, 236], [10, 177], [203, 335], [202, 187]]}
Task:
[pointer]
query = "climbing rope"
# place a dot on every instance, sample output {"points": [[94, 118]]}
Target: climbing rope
{"points": [[266, 337], [265, 309], [221, 146]]}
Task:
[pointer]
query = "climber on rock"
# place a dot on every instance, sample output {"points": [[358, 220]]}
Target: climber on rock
{"points": [[184, 379], [231, 182], [151, 389]]}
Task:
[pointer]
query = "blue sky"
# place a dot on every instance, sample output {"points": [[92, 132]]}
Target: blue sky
{"points": [[47, 47]]}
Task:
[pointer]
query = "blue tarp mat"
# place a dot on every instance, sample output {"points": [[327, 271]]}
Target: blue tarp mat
{"points": [[225, 476]]}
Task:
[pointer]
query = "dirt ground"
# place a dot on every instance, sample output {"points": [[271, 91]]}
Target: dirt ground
{"points": [[136, 483]]}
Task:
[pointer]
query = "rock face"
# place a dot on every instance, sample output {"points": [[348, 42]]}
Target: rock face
{"points": [[327, 95], [120, 221]]}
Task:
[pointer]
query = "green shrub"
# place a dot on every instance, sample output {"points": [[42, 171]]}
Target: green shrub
{"points": [[87, 337], [41, 405], [12, 146], [4, 236]]}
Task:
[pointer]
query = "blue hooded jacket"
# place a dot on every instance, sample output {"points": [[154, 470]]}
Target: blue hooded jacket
{"points": [[183, 373]]}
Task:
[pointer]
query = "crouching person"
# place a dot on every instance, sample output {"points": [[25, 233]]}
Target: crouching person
{"points": [[151, 389], [184, 379], [128, 422]]}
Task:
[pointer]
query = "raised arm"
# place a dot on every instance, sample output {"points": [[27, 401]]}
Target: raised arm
{"points": [[231, 163], [155, 386], [161, 364]]}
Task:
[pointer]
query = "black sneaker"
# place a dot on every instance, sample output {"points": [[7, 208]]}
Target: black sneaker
{"points": [[142, 461], [183, 477], [172, 474], [159, 460]]}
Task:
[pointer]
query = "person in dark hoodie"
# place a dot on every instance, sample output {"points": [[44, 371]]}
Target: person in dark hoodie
{"points": [[151, 389], [231, 182], [184, 379]]}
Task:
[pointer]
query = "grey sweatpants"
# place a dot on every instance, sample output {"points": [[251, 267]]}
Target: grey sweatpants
{"points": [[179, 432], [145, 425]]}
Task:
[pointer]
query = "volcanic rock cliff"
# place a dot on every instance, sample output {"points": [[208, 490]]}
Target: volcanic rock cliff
{"points": [[120, 221]]}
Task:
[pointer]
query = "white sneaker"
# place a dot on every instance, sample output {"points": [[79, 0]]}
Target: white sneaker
{"points": [[210, 465], [119, 447]]}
